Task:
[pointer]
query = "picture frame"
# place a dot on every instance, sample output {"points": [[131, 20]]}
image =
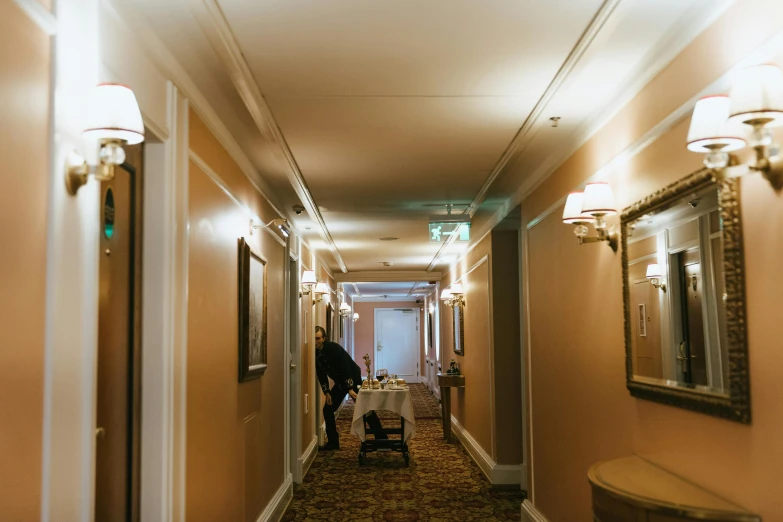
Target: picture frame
{"points": [[252, 300], [429, 330], [459, 331], [642, 317]]}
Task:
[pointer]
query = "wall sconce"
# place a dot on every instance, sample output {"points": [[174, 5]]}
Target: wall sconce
{"points": [[592, 206], [654, 274], [355, 317], [454, 296], [755, 100], [345, 309], [308, 282], [113, 121], [320, 291], [280, 223]]}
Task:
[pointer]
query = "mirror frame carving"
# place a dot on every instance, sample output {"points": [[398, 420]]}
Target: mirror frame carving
{"points": [[735, 406], [459, 330]]}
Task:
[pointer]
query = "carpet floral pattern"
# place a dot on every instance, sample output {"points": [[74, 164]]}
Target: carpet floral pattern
{"points": [[441, 484], [425, 405]]}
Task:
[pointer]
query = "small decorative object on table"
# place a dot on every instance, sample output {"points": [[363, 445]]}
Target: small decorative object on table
{"points": [[453, 368]]}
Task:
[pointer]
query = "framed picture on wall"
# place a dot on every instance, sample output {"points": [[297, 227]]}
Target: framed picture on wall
{"points": [[459, 331], [329, 328], [251, 283], [429, 330], [642, 321]]}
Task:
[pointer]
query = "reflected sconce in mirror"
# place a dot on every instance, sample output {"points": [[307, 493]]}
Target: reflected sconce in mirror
{"points": [[308, 282], [280, 223], [724, 124], [345, 309], [113, 121], [654, 274], [592, 206], [320, 291], [453, 296], [355, 317]]}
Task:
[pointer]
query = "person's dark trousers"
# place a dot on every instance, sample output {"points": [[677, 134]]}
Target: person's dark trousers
{"points": [[338, 393]]}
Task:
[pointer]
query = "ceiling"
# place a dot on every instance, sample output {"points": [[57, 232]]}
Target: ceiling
{"points": [[375, 115]]}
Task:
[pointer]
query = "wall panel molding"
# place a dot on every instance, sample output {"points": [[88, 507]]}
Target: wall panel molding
{"points": [[42, 17], [276, 508]]}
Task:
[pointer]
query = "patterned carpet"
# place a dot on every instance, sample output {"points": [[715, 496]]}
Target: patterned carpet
{"points": [[425, 405], [441, 484]]}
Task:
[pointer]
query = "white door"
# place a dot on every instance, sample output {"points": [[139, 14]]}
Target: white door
{"points": [[397, 342]]}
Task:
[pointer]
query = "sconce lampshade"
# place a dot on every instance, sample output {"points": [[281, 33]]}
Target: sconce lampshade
{"points": [[456, 289], [308, 278], [711, 129], [598, 200], [757, 94], [654, 271], [355, 316], [573, 209], [446, 294], [113, 114], [321, 288], [345, 308]]}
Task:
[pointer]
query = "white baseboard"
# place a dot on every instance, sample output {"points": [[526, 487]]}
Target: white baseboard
{"points": [[307, 458], [276, 508], [496, 473], [530, 514]]}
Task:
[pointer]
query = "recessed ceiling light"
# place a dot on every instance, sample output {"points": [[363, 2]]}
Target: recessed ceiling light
{"points": [[388, 238]]}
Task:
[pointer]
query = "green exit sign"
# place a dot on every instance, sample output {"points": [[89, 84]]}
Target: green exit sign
{"points": [[440, 232]]}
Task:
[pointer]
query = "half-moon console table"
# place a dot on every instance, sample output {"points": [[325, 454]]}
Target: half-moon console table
{"points": [[632, 489], [446, 383]]}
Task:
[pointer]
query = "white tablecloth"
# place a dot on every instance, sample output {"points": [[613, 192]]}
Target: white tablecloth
{"points": [[398, 401]]}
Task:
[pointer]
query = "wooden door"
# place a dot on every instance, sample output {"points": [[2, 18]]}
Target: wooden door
{"points": [[117, 432]]}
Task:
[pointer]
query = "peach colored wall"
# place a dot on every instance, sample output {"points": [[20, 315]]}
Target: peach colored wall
{"points": [[507, 365], [308, 357], [364, 331], [472, 406], [235, 457], [581, 410], [24, 156]]}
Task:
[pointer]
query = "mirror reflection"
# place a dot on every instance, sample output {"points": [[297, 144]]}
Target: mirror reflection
{"points": [[677, 294]]}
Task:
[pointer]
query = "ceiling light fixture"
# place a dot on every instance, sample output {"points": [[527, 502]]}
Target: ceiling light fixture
{"points": [[755, 100], [113, 121]]}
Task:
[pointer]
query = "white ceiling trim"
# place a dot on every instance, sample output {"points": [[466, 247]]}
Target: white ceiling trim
{"points": [[41, 16], [398, 276], [219, 33], [663, 53], [159, 54], [595, 26], [761, 54], [356, 289]]}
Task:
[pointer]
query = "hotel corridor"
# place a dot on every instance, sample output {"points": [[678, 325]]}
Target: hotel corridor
{"points": [[442, 483]]}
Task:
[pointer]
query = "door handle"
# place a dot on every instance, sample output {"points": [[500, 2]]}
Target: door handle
{"points": [[100, 433], [293, 366], [682, 358]]}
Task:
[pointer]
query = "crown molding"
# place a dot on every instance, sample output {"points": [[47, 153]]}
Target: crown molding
{"points": [[218, 32], [390, 299], [595, 26], [398, 276], [41, 16], [676, 40]]}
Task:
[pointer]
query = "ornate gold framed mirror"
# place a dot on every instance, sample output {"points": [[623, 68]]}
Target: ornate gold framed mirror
{"points": [[684, 297]]}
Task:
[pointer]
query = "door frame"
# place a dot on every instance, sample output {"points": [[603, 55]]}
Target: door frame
{"points": [[417, 312]]}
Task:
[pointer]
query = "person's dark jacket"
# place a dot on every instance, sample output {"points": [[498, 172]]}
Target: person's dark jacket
{"points": [[334, 362]]}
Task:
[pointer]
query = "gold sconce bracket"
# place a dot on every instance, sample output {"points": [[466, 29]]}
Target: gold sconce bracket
{"points": [[610, 236]]}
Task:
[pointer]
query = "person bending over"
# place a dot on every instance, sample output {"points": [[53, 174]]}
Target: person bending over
{"points": [[333, 362]]}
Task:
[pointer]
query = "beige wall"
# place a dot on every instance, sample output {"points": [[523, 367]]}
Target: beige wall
{"points": [[235, 457], [473, 405], [364, 331], [24, 156], [581, 410]]}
